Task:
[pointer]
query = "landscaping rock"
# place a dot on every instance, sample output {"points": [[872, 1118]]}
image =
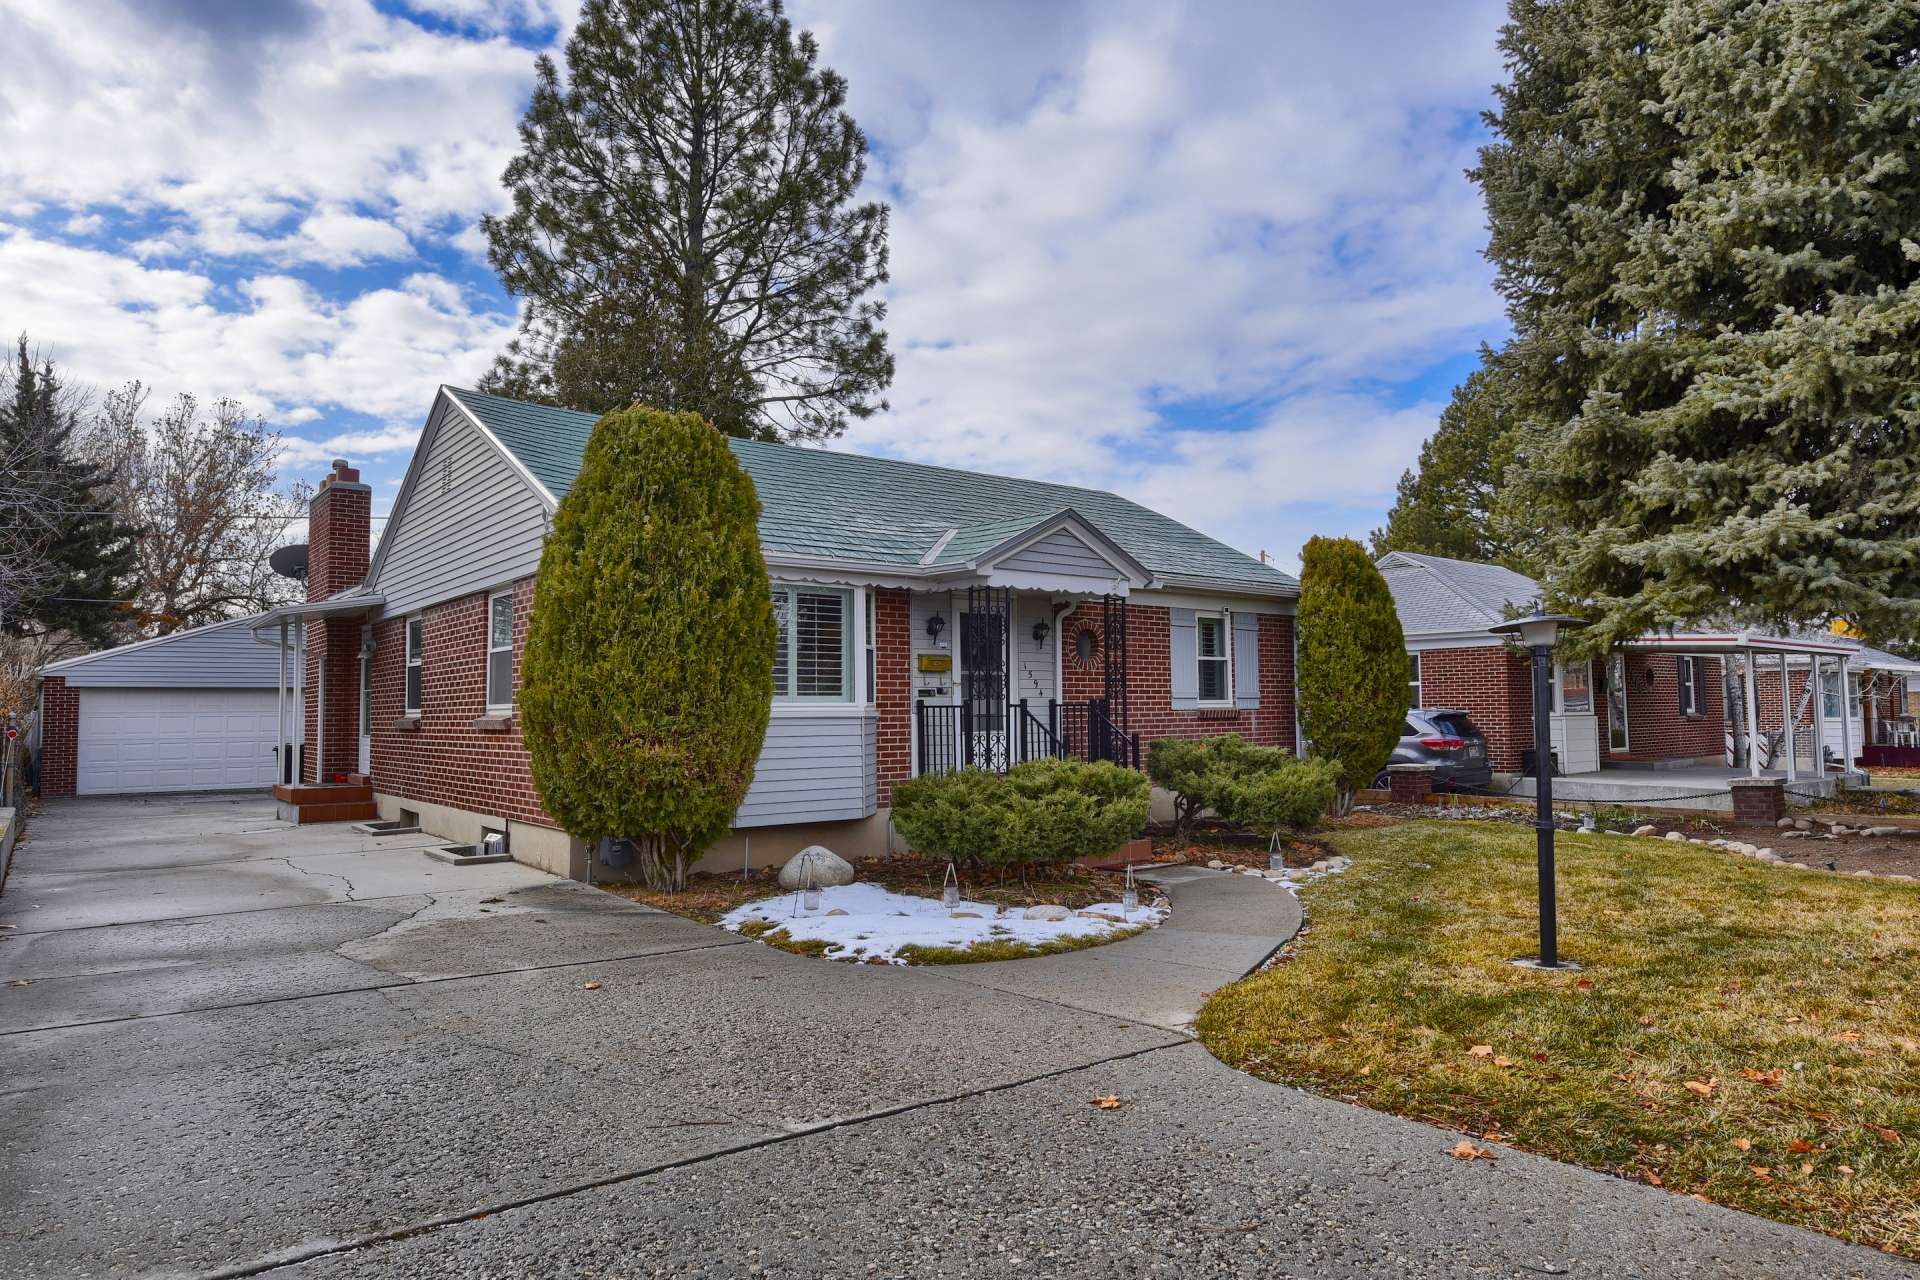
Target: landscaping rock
{"points": [[957, 915], [1214, 864], [1047, 911], [828, 867], [1677, 835], [1880, 831], [1785, 824], [838, 911], [1646, 829], [1319, 867]]}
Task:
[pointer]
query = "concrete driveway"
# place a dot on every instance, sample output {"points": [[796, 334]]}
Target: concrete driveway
{"points": [[233, 1048]]}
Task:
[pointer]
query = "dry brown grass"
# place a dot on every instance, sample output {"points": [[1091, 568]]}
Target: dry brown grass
{"points": [[1743, 1032]]}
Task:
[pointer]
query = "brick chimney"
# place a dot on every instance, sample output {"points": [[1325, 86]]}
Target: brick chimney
{"points": [[339, 532]]}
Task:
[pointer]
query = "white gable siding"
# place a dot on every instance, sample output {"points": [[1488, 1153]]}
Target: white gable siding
{"points": [[463, 530], [1062, 554], [1034, 660], [222, 656]]}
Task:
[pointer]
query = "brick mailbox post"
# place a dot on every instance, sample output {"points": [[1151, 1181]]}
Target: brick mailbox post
{"points": [[1410, 783], [1759, 801]]}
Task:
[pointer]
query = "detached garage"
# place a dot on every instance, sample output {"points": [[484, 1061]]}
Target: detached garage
{"points": [[197, 710]]}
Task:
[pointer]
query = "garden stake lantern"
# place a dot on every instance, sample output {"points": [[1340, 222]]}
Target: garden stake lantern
{"points": [[1539, 632], [810, 892], [950, 889], [1276, 860], [1130, 897]]}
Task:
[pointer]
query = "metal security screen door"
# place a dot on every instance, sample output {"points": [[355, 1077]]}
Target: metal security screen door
{"points": [[984, 631]]}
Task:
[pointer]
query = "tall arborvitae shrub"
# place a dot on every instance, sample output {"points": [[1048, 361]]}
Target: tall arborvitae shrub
{"points": [[1353, 662], [649, 664]]}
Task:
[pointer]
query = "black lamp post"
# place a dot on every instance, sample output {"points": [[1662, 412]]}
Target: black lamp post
{"points": [[1539, 632]]}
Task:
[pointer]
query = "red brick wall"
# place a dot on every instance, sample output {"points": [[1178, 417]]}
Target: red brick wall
{"points": [[1494, 686], [447, 760], [339, 524], [333, 655], [1656, 729], [59, 737], [892, 693], [1150, 711]]}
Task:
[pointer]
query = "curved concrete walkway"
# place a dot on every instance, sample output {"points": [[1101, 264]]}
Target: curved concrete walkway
{"points": [[1223, 927], [243, 1049]]}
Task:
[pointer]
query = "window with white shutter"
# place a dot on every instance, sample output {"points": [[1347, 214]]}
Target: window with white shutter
{"points": [[813, 652]]}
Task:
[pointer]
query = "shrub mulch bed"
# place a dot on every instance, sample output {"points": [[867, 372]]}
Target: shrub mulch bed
{"points": [[1207, 841]]}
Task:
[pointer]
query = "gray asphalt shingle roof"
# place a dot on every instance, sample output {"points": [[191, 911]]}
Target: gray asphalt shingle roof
{"points": [[1433, 594], [848, 506]]}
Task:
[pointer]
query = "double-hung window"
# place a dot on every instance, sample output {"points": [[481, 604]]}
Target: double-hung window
{"points": [[813, 652], [500, 650], [1215, 653], [415, 649], [1689, 686], [1413, 680]]}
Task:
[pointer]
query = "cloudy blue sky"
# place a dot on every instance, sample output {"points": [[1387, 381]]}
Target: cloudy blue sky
{"points": [[1218, 256]]}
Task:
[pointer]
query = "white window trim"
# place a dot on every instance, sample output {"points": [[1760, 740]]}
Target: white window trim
{"points": [[1689, 683], [852, 644], [1225, 619], [1413, 680], [505, 593], [414, 658]]}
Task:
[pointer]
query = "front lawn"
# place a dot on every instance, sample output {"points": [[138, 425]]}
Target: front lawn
{"points": [[1743, 1032]]}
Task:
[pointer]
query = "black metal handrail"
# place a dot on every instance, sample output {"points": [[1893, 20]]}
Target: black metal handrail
{"points": [[949, 736], [1037, 739], [1108, 740]]}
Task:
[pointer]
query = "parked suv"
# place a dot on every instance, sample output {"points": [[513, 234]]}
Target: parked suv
{"points": [[1448, 740]]}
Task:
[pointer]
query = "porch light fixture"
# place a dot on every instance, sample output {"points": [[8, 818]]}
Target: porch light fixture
{"points": [[1539, 632], [1040, 630], [935, 625]]}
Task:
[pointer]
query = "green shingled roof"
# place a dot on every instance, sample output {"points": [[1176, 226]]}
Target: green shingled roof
{"points": [[822, 502]]}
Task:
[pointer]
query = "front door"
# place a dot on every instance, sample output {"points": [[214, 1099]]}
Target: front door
{"points": [[1617, 740], [366, 713], [985, 629]]}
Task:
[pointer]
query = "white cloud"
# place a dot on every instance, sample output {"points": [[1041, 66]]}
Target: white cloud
{"points": [[275, 343], [298, 132], [1248, 207]]}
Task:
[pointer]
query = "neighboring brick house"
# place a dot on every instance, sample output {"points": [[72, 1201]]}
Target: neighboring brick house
{"points": [[1662, 700], [931, 618]]}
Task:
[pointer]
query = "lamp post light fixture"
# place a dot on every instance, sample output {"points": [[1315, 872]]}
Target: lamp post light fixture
{"points": [[1539, 632]]}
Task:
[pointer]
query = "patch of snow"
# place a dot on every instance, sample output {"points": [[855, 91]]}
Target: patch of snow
{"points": [[878, 922]]}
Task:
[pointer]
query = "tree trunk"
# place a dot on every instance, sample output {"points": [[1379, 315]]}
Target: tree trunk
{"points": [[1343, 798], [661, 865]]}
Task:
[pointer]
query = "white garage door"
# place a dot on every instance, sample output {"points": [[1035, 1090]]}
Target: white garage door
{"points": [[135, 740]]}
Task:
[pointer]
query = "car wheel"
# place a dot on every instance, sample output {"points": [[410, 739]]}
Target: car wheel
{"points": [[1381, 781]]}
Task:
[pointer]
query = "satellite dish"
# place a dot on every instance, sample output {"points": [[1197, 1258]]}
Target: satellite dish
{"points": [[290, 561]]}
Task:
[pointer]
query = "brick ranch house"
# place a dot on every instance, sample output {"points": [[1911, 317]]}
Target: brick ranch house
{"points": [[930, 619], [1662, 701]]}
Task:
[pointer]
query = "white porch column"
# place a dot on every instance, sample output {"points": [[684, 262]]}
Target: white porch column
{"points": [[1846, 719], [1817, 703], [300, 702], [280, 721], [1753, 717], [1786, 723]]}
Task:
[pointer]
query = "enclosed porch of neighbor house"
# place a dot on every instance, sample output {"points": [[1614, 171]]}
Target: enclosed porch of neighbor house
{"points": [[1785, 706]]}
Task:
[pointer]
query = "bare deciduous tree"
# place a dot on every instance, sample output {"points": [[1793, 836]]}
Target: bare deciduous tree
{"points": [[198, 485]]}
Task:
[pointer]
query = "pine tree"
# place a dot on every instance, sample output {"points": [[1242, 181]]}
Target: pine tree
{"points": [[65, 562], [648, 674], [1446, 504], [1352, 661], [683, 227], [1704, 217]]}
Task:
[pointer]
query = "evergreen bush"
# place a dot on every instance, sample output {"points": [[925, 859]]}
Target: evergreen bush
{"points": [[648, 673], [1295, 795], [1194, 769], [1352, 663], [1042, 811]]}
